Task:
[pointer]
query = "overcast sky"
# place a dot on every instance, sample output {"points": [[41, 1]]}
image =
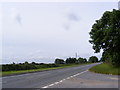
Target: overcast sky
{"points": [[41, 32]]}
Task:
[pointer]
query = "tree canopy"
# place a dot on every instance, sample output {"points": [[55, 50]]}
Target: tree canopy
{"points": [[93, 59], [82, 60], [59, 61], [105, 34], [71, 60]]}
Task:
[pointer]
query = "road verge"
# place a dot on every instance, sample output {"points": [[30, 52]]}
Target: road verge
{"points": [[105, 69]]}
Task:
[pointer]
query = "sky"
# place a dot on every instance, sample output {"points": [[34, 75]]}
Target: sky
{"points": [[43, 31]]}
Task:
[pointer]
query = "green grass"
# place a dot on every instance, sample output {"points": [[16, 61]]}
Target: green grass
{"points": [[6, 73], [105, 69]]}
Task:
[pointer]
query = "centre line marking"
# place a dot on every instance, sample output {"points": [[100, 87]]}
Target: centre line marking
{"points": [[64, 79]]}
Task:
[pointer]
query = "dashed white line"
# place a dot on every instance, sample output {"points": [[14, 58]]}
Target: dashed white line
{"points": [[51, 85], [64, 79], [68, 78], [56, 82], [45, 87]]}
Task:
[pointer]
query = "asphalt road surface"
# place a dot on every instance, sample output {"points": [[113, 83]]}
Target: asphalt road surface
{"points": [[72, 77]]}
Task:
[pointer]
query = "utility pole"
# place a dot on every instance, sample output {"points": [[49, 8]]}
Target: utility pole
{"points": [[76, 55], [119, 5]]}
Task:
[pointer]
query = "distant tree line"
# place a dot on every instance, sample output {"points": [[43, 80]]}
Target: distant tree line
{"points": [[33, 65], [92, 59]]}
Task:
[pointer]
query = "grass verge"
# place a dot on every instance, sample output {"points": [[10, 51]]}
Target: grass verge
{"points": [[6, 73], [105, 69]]}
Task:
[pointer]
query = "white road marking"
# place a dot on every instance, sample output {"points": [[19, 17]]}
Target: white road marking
{"points": [[51, 85], [64, 79], [60, 81], [45, 87], [56, 82], [113, 78], [68, 78]]}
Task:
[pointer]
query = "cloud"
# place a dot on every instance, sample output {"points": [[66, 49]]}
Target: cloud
{"points": [[66, 26], [15, 15], [18, 19], [73, 17], [71, 14]]}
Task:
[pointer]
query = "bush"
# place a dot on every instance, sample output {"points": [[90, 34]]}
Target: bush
{"points": [[26, 66]]}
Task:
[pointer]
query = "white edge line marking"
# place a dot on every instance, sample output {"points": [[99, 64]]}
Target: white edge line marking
{"points": [[64, 79]]}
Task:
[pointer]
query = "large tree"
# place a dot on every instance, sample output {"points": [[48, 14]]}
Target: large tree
{"points": [[105, 34], [93, 59]]}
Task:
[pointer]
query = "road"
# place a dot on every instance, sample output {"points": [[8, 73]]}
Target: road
{"points": [[72, 77]]}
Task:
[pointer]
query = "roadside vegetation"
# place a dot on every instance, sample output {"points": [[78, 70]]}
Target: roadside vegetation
{"points": [[105, 35], [10, 69], [105, 69]]}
